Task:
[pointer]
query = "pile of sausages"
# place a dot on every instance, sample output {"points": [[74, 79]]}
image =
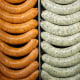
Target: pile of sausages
{"points": [[18, 43], [61, 40]]}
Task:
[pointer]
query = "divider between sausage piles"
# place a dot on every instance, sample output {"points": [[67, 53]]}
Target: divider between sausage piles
{"points": [[60, 32], [18, 40]]}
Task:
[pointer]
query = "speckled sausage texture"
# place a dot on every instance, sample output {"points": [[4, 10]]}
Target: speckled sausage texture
{"points": [[18, 28], [61, 72], [18, 52], [46, 76], [61, 41], [59, 19], [18, 18], [18, 39], [28, 4], [59, 52], [18, 74], [34, 76], [60, 30], [61, 9], [63, 1], [62, 62], [20, 63]]}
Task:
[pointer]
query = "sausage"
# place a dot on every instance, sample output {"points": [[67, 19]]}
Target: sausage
{"points": [[21, 63], [28, 4], [18, 39], [34, 76], [61, 9], [18, 28], [62, 62], [61, 72], [61, 41], [60, 30], [59, 19], [15, 1], [18, 52], [63, 1], [60, 52], [18, 18], [46, 76], [17, 74]]}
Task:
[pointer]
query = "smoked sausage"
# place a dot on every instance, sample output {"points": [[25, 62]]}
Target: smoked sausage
{"points": [[18, 52]]}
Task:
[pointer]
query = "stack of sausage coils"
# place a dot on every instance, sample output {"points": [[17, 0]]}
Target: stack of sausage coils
{"points": [[61, 40], [18, 43]]}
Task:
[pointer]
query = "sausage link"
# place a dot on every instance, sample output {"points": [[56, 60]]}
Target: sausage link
{"points": [[15, 1], [61, 72], [46, 76], [18, 18], [61, 9], [59, 19], [60, 30], [34, 76], [28, 4], [61, 41], [21, 63], [18, 39], [18, 28], [63, 1], [16, 74], [60, 52], [62, 62], [18, 52]]}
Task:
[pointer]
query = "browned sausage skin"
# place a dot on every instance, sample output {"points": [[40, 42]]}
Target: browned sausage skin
{"points": [[18, 39], [18, 28], [28, 4], [33, 76], [18, 52], [18, 18], [15, 1], [17, 74], [21, 63]]}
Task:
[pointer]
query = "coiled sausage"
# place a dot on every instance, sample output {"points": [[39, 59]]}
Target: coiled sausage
{"points": [[18, 18], [16, 74], [18, 28], [21, 63], [18, 39], [18, 52], [28, 4]]}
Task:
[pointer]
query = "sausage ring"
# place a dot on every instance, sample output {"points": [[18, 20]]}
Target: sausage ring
{"points": [[16, 74], [18, 39], [18, 28], [28, 4], [18, 52], [21, 63], [18, 18]]}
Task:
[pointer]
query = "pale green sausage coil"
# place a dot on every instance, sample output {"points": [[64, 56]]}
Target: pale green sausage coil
{"points": [[60, 30], [61, 41], [61, 9], [63, 1], [59, 19], [61, 72], [46, 76], [62, 62], [60, 52]]}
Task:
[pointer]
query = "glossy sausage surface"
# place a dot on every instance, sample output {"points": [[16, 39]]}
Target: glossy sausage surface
{"points": [[17, 74], [28, 4], [18, 52], [34, 76], [18, 18], [18, 28], [18, 39], [20, 63]]}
